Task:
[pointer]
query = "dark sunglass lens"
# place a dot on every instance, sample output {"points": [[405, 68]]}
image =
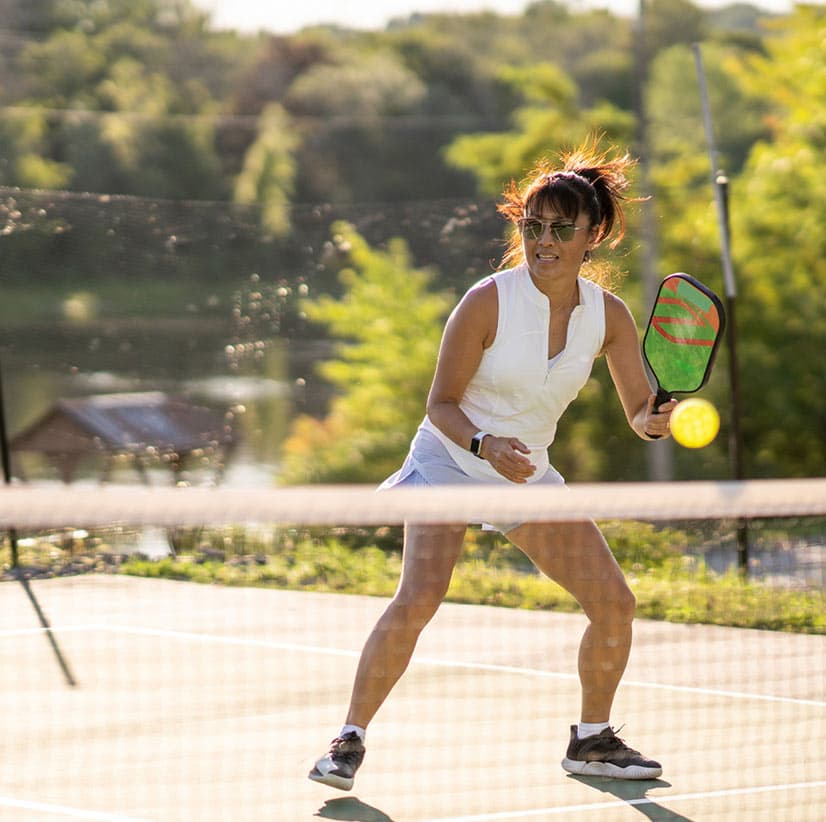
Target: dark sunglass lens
{"points": [[564, 233], [532, 228]]}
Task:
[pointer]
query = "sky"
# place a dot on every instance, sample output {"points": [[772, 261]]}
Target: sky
{"points": [[285, 16]]}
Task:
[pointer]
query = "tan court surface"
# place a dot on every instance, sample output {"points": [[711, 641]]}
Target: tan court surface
{"points": [[206, 703]]}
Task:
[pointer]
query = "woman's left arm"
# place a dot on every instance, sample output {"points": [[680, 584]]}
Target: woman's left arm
{"points": [[622, 351]]}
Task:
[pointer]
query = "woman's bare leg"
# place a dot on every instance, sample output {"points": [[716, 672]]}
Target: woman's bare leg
{"points": [[576, 556], [430, 553]]}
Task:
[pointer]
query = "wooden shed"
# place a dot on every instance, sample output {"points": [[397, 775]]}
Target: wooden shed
{"points": [[148, 428]]}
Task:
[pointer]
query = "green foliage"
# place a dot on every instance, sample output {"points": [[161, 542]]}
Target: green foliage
{"points": [[778, 214], [365, 86], [678, 590], [23, 149], [142, 59], [676, 118], [330, 567], [690, 592], [389, 327], [269, 170], [549, 121], [668, 22]]}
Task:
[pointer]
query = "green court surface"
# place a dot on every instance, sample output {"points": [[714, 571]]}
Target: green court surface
{"points": [[206, 703]]}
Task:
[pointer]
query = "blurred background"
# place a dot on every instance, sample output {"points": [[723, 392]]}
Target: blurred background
{"points": [[270, 216]]}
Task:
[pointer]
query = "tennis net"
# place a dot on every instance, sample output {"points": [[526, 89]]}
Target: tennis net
{"points": [[134, 693]]}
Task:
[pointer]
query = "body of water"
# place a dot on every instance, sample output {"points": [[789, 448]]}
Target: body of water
{"points": [[187, 359]]}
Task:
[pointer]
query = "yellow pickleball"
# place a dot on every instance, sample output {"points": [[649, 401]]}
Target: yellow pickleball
{"points": [[694, 423]]}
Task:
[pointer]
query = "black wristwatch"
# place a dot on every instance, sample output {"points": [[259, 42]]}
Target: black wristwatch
{"points": [[476, 444]]}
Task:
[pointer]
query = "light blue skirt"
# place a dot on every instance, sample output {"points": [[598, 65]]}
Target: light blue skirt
{"points": [[429, 464]]}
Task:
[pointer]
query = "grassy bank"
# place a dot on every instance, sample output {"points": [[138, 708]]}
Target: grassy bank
{"points": [[677, 590], [669, 583]]}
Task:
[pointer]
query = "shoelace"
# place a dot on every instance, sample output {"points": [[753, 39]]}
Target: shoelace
{"points": [[615, 743], [340, 749]]}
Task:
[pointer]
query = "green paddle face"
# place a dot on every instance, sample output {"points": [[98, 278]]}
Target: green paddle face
{"points": [[683, 333]]}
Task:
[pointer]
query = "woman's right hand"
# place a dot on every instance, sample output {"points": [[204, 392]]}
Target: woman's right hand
{"points": [[505, 454]]}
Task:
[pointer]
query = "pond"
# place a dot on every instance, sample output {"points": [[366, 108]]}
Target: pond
{"points": [[193, 358]]}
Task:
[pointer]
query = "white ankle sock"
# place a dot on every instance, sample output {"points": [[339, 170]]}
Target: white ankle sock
{"points": [[346, 729], [590, 729]]}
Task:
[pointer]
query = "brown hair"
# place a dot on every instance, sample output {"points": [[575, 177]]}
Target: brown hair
{"points": [[589, 181]]}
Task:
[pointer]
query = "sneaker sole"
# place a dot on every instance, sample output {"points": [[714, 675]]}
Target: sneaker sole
{"points": [[607, 769], [331, 779]]}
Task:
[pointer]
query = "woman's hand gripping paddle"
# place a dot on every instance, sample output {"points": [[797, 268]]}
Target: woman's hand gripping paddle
{"points": [[682, 337]]}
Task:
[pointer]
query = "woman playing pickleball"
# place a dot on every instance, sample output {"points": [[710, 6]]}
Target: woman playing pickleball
{"points": [[515, 352]]}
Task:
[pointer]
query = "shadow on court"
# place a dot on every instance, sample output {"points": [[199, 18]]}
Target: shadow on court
{"points": [[352, 809], [634, 793]]}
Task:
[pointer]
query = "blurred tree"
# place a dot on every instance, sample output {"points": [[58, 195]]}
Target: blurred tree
{"points": [[365, 86], [277, 63], [389, 326], [62, 71], [143, 60], [270, 69], [596, 48], [669, 22], [460, 83], [25, 16], [369, 138], [142, 147], [550, 120], [268, 175], [24, 159]]}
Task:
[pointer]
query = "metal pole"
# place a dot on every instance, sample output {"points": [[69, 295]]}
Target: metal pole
{"points": [[5, 455], [719, 184], [5, 458]]}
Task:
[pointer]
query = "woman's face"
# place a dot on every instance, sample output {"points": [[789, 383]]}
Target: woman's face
{"points": [[554, 245]]}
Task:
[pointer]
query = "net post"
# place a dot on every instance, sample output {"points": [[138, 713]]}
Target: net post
{"points": [[735, 436], [5, 457]]}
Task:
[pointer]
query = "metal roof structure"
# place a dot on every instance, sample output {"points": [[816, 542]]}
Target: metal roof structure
{"points": [[142, 425]]}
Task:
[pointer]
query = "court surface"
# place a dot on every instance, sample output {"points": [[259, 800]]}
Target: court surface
{"points": [[206, 703]]}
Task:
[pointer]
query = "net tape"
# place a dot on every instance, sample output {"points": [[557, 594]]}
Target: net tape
{"points": [[28, 507]]}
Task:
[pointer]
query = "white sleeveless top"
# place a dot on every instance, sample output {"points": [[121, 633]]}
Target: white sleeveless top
{"points": [[517, 391]]}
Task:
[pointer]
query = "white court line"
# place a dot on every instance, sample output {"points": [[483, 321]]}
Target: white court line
{"points": [[444, 663], [64, 810], [666, 799], [65, 629]]}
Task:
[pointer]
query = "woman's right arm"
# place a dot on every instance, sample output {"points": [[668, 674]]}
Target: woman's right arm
{"points": [[470, 329]]}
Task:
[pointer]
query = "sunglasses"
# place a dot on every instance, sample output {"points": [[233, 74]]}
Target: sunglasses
{"points": [[561, 232]]}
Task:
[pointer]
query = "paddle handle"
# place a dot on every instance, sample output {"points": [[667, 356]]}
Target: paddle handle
{"points": [[662, 397]]}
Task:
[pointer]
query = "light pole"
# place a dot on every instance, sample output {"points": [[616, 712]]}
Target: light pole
{"points": [[719, 184]]}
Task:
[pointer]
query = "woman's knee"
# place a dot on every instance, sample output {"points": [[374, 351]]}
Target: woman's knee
{"points": [[626, 603], [414, 608], [614, 602]]}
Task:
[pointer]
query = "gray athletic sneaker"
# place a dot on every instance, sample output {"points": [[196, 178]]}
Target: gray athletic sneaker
{"points": [[605, 754], [339, 765]]}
